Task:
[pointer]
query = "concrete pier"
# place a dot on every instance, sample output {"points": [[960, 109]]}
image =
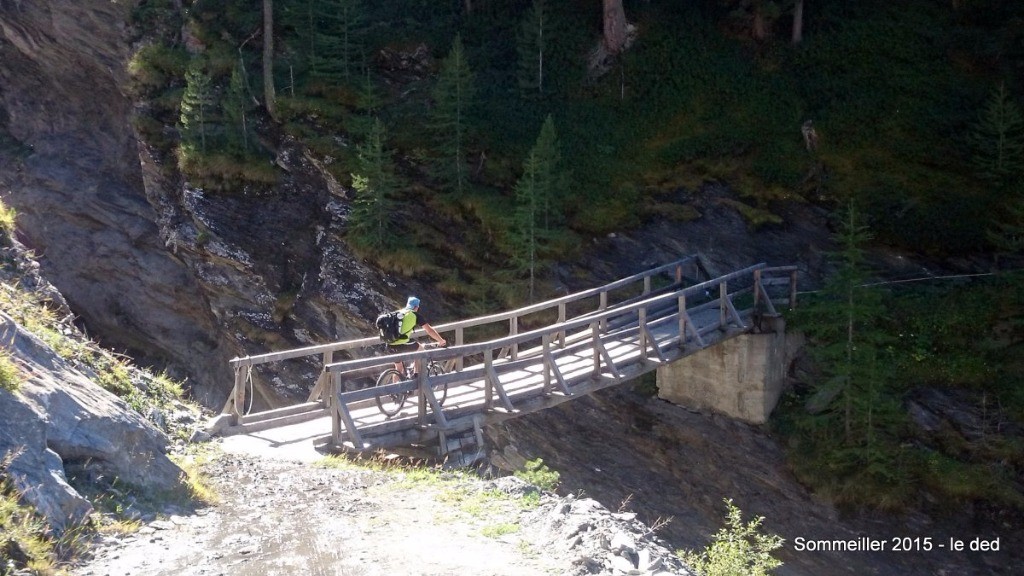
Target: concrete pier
{"points": [[742, 377]]}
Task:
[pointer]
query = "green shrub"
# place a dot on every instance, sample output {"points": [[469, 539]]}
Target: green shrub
{"points": [[7, 221], [538, 474], [737, 548], [154, 66], [10, 376]]}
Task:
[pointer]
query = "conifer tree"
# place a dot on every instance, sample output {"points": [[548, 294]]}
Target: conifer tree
{"points": [[375, 185], [535, 194], [453, 99], [531, 45], [525, 233], [337, 40], [553, 178], [236, 113], [844, 328], [196, 108], [369, 105], [998, 140]]}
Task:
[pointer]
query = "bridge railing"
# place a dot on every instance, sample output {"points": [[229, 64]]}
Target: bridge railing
{"points": [[755, 286], [591, 300]]}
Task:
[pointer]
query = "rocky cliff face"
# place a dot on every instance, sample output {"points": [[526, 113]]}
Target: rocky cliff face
{"points": [[167, 272], [75, 179]]}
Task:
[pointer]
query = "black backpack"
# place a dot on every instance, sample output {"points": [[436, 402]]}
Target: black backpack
{"points": [[389, 325]]}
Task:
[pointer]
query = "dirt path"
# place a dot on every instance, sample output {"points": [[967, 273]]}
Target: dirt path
{"points": [[277, 516]]}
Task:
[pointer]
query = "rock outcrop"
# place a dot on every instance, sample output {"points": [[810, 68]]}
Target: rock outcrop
{"points": [[58, 415], [75, 179]]}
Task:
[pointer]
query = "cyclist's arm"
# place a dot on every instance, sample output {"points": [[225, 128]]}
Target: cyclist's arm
{"points": [[433, 334]]}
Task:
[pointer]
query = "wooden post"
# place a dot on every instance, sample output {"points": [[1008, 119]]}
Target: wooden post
{"points": [[488, 386], [459, 341], [421, 384], [723, 297], [561, 318], [602, 305], [647, 285], [682, 320], [792, 289], [333, 387], [240, 378], [595, 333], [642, 336], [513, 330], [546, 346], [679, 274], [757, 289]]}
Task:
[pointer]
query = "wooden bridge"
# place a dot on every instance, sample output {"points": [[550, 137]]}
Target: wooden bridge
{"points": [[510, 364]]}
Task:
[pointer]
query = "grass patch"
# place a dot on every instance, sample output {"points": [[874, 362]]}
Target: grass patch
{"points": [[499, 530], [7, 220], [10, 375]]}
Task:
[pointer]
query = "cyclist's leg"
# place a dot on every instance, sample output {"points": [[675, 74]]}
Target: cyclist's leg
{"points": [[400, 348]]}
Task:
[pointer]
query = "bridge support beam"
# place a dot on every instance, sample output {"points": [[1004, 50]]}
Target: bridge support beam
{"points": [[742, 377]]}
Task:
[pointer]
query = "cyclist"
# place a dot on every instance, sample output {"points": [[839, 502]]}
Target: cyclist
{"points": [[411, 319]]}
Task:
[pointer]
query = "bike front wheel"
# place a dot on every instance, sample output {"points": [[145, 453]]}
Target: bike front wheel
{"points": [[390, 404], [441, 392]]}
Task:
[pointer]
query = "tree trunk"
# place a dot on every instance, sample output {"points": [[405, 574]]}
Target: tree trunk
{"points": [[614, 26], [268, 58], [758, 29], [468, 4], [798, 22]]}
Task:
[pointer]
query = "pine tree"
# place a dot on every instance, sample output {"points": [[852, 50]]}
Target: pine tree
{"points": [[843, 326], [196, 108], [453, 98], [375, 185], [369, 105], [998, 140], [531, 44], [553, 182], [337, 40], [525, 233], [236, 113], [535, 194]]}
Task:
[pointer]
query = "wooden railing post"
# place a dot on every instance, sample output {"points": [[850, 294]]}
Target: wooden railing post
{"points": [[792, 289], [602, 305], [241, 374], [642, 322], [681, 305], [546, 349], [595, 334], [757, 289], [647, 285], [488, 385], [421, 384], [723, 297], [561, 318], [679, 273], [460, 339], [333, 388], [513, 330]]}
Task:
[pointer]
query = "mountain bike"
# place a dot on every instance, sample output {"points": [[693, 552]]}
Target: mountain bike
{"points": [[391, 404]]}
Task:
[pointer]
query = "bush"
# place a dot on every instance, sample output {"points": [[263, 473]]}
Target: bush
{"points": [[538, 474], [10, 376], [7, 219], [737, 548]]}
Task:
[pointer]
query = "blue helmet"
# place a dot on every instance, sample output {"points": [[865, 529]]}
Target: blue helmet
{"points": [[413, 302]]}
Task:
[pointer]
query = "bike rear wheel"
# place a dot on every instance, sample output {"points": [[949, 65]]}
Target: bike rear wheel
{"points": [[441, 392], [390, 404]]}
